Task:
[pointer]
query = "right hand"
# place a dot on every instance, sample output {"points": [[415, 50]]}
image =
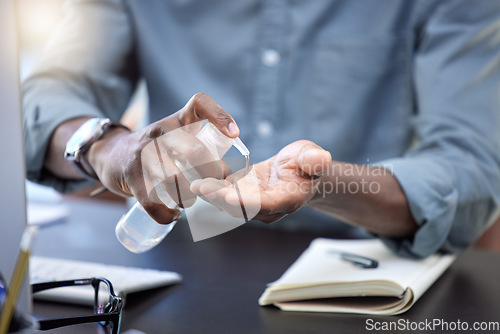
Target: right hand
{"points": [[116, 158]]}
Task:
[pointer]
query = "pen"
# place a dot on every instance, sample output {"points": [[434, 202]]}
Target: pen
{"points": [[358, 260], [17, 278]]}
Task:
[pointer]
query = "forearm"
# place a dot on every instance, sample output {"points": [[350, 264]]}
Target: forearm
{"points": [[54, 159], [365, 196], [73, 80]]}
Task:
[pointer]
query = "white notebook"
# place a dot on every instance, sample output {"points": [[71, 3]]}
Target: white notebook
{"points": [[323, 280]]}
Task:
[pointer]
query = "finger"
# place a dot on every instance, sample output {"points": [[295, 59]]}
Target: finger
{"points": [[149, 199], [270, 218], [284, 198], [225, 169], [163, 177], [210, 186], [313, 160], [211, 190], [240, 197], [157, 210], [201, 107], [206, 166]]}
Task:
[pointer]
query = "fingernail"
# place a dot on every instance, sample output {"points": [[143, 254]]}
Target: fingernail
{"points": [[233, 129]]}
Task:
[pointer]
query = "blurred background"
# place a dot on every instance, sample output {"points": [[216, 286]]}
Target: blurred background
{"points": [[37, 19]]}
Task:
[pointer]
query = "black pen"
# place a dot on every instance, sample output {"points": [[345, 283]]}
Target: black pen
{"points": [[358, 260]]}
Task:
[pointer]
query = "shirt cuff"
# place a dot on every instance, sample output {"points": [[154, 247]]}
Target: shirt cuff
{"points": [[40, 120], [432, 199]]}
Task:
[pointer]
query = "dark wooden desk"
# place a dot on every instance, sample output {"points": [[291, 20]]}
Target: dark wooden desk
{"points": [[224, 276]]}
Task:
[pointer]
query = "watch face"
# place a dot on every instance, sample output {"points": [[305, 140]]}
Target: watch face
{"points": [[83, 135]]}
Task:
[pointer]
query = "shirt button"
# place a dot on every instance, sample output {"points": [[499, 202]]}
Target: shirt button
{"points": [[271, 57], [264, 129]]}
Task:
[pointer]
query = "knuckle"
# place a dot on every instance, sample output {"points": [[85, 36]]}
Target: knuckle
{"points": [[196, 104], [198, 98], [153, 131], [198, 101]]}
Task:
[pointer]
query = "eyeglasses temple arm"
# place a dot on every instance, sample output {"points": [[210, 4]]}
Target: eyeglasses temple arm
{"points": [[58, 284], [61, 322]]}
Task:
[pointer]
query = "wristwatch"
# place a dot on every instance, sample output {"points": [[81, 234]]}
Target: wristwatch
{"points": [[83, 138]]}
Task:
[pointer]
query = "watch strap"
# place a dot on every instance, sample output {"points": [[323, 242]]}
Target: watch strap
{"points": [[80, 161]]}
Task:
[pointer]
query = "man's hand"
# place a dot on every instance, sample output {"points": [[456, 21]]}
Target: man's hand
{"points": [[286, 182], [301, 174], [118, 158]]}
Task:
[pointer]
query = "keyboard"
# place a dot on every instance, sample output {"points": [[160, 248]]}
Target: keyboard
{"points": [[125, 279]]}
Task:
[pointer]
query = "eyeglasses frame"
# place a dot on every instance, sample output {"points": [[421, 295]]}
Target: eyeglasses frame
{"points": [[113, 310]]}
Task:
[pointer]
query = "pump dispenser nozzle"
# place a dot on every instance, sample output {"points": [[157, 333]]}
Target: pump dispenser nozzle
{"points": [[241, 147]]}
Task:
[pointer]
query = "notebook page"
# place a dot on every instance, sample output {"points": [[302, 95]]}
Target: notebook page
{"points": [[318, 265]]}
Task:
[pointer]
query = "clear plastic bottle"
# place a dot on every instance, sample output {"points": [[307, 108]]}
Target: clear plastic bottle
{"points": [[136, 230]]}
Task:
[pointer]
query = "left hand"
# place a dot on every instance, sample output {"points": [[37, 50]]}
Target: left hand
{"points": [[286, 182]]}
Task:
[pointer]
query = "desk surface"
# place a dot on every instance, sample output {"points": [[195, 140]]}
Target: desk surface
{"points": [[224, 276]]}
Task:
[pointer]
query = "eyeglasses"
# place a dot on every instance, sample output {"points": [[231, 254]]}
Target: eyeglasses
{"points": [[107, 306]]}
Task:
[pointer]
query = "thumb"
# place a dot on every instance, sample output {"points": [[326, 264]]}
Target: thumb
{"points": [[201, 107], [314, 160]]}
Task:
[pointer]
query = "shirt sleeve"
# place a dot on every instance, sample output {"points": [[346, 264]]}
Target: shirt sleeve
{"points": [[451, 177], [86, 69]]}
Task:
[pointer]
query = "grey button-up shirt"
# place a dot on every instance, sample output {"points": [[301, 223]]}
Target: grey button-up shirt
{"points": [[412, 85]]}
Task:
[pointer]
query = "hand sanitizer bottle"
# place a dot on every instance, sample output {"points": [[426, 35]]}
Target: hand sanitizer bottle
{"points": [[136, 230]]}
